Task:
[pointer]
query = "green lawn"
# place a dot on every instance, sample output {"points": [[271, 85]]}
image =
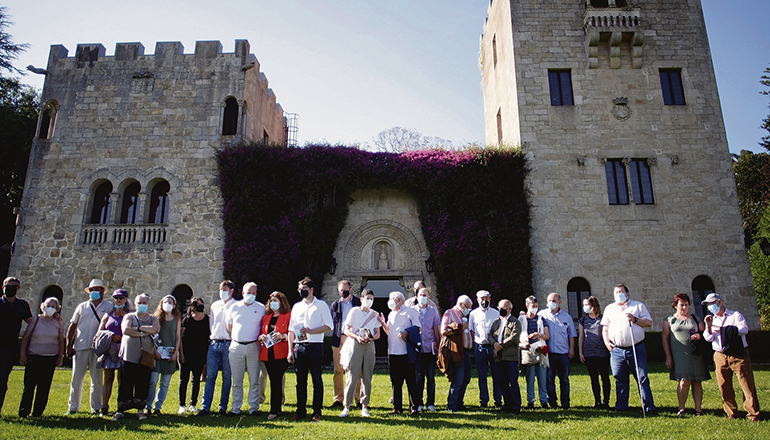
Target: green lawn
{"points": [[579, 422]]}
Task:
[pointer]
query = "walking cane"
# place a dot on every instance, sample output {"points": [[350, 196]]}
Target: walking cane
{"points": [[636, 364]]}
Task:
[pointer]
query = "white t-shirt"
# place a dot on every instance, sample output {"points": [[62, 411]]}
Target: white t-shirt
{"points": [[218, 317], [398, 321], [480, 322], [616, 322], [87, 322], [313, 315], [356, 319], [246, 320]]}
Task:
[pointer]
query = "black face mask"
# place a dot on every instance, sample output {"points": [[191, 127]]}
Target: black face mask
{"points": [[304, 293], [345, 293], [10, 290], [503, 313], [484, 304], [199, 308]]}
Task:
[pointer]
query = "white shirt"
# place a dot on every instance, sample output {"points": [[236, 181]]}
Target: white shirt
{"points": [[356, 319], [217, 319], [480, 322], [87, 322], [730, 317], [503, 323], [398, 321], [246, 320], [616, 322], [313, 315]]}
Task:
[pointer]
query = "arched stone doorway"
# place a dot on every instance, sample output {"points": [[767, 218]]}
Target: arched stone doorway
{"points": [[183, 294]]}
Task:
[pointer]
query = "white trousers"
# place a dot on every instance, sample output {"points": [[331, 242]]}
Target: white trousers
{"points": [[244, 358], [85, 360]]}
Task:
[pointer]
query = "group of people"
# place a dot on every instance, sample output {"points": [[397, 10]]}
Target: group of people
{"points": [[142, 350]]}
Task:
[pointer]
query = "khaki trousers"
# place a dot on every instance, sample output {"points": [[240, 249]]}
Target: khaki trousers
{"points": [[741, 366], [339, 376], [361, 365]]}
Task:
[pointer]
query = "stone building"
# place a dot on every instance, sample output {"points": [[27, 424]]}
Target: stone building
{"points": [[122, 177], [615, 104]]}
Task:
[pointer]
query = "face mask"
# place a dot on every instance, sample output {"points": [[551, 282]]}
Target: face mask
{"points": [[621, 297], [586, 309], [48, 312], [466, 312], [10, 291], [120, 306], [552, 305], [141, 308], [503, 313], [367, 302], [345, 293], [95, 295], [533, 310], [199, 308], [484, 304], [713, 308], [275, 305], [391, 304], [249, 298], [167, 307], [304, 293], [422, 300], [224, 295]]}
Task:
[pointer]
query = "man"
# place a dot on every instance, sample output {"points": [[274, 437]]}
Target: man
{"points": [[80, 337], [401, 322], [536, 330], [623, 324], [726, 330], [340, 310], [561, 348], [480, 322], [454, 328], [412, 300], [430, 333], [244, 322], [505, 335], [13, 310], [310, 319], [218, 357]]}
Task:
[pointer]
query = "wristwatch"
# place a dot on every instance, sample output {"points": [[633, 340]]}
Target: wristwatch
{"points": [[635, 319]]}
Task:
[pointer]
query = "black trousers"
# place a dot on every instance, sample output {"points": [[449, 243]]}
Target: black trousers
{"points": [[193, 364], [401, 370], [37, 374], [275, 371], [134, 386], [599, 366], [309, 359]]}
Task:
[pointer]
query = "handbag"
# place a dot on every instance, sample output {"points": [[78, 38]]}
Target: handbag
{"points": [[148, 359], [698, 346], [529, 357]]}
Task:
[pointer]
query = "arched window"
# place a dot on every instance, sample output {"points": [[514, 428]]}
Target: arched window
{"points": [[578, 289], [129, 213], [159, 205], [52, 291], [47, 120], [183, 294], [230, 119], [701, 287], [102, 208]]}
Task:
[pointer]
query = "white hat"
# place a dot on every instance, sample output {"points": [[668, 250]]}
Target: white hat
{"points": [[95, 283], [483, 293]]}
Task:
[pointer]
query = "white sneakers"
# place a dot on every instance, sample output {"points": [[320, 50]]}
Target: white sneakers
{"points": [[345, 412], [181, 410], [192, 409], [431, 408], [365, 411]]}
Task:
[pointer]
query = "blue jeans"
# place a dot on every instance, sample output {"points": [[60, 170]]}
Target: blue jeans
{"points": [[559, 365], [309, 358], [485, 365], [508, 379], [622, 362], [165, 381], [540, 372], [218, 358], [426, 371], [454, 400]]}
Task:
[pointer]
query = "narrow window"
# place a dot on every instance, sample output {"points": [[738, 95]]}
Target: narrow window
{"points": [[129, 214], [641, 182], [230, 119], [499, 126], [494, 51], [47, 121], [159, 206], [671, 84], [102, 208], [265, 137], [617, 188], [560, 85]]}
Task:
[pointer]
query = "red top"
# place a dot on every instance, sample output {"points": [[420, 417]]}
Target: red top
{"points": [[281, 349]]}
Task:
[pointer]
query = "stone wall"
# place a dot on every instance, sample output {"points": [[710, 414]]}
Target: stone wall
{"points": [[694, 226]]}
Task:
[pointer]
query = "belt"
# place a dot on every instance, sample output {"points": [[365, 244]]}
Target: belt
{"points": [[246, 343], [626, 348], [307, 344], [484, 345], [220, 341]]}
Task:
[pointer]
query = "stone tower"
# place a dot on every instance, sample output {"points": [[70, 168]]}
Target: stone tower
{"points": [[615, 104], [122, 177]]}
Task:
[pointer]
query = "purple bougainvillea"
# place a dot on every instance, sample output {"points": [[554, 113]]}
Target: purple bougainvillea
{"points": [[285, 207]]}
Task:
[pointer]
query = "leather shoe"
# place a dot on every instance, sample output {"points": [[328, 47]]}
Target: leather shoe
{"points": [[298, 416], [336, 404], [316, 418]]}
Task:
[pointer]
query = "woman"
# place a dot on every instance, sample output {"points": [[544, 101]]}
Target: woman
{"points": [[113, 322], [537, 335], [195, 344], [169, 343], [593, 352], [136, 350], [681, 332], [42, 349], [273, 340], [362, 328]]}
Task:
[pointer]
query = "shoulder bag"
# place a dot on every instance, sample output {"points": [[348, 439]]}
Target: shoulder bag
{"points": [[148, 359]]}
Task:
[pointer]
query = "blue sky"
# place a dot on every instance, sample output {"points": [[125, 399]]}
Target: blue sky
{"points": [[352, 68]]}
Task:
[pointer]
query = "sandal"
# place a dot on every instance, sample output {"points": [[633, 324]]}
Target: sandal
{"points": [[698, 413], [680, 413]]}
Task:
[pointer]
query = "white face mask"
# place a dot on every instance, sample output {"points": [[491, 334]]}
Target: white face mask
{"points": [[533, 310], [168, 307], [224, 295], [621, 297], [422, 300], [249, 298], [586, 309], [48, 312], [391, 304], [367, 302]]}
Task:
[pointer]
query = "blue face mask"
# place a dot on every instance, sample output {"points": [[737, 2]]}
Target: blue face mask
{"points": [[249, 298], [713, 308], [586, 309], [141, 308], [621, 297], [224, 295], [95, 295], [120, 306], [552, 305], [275, 305]]}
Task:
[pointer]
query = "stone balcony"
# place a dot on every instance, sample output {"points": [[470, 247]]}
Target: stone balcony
{"points": [[615, 28], [143, 235]]}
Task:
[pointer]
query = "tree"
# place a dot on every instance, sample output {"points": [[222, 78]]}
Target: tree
{"points": [[765, 81], [9, 51], [752, 176], [400, 140]]}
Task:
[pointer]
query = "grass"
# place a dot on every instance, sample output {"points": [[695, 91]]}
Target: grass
{"points": [[581, 421]]}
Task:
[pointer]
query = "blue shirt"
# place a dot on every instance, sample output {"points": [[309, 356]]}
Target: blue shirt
{"points": [[561, 328]]}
